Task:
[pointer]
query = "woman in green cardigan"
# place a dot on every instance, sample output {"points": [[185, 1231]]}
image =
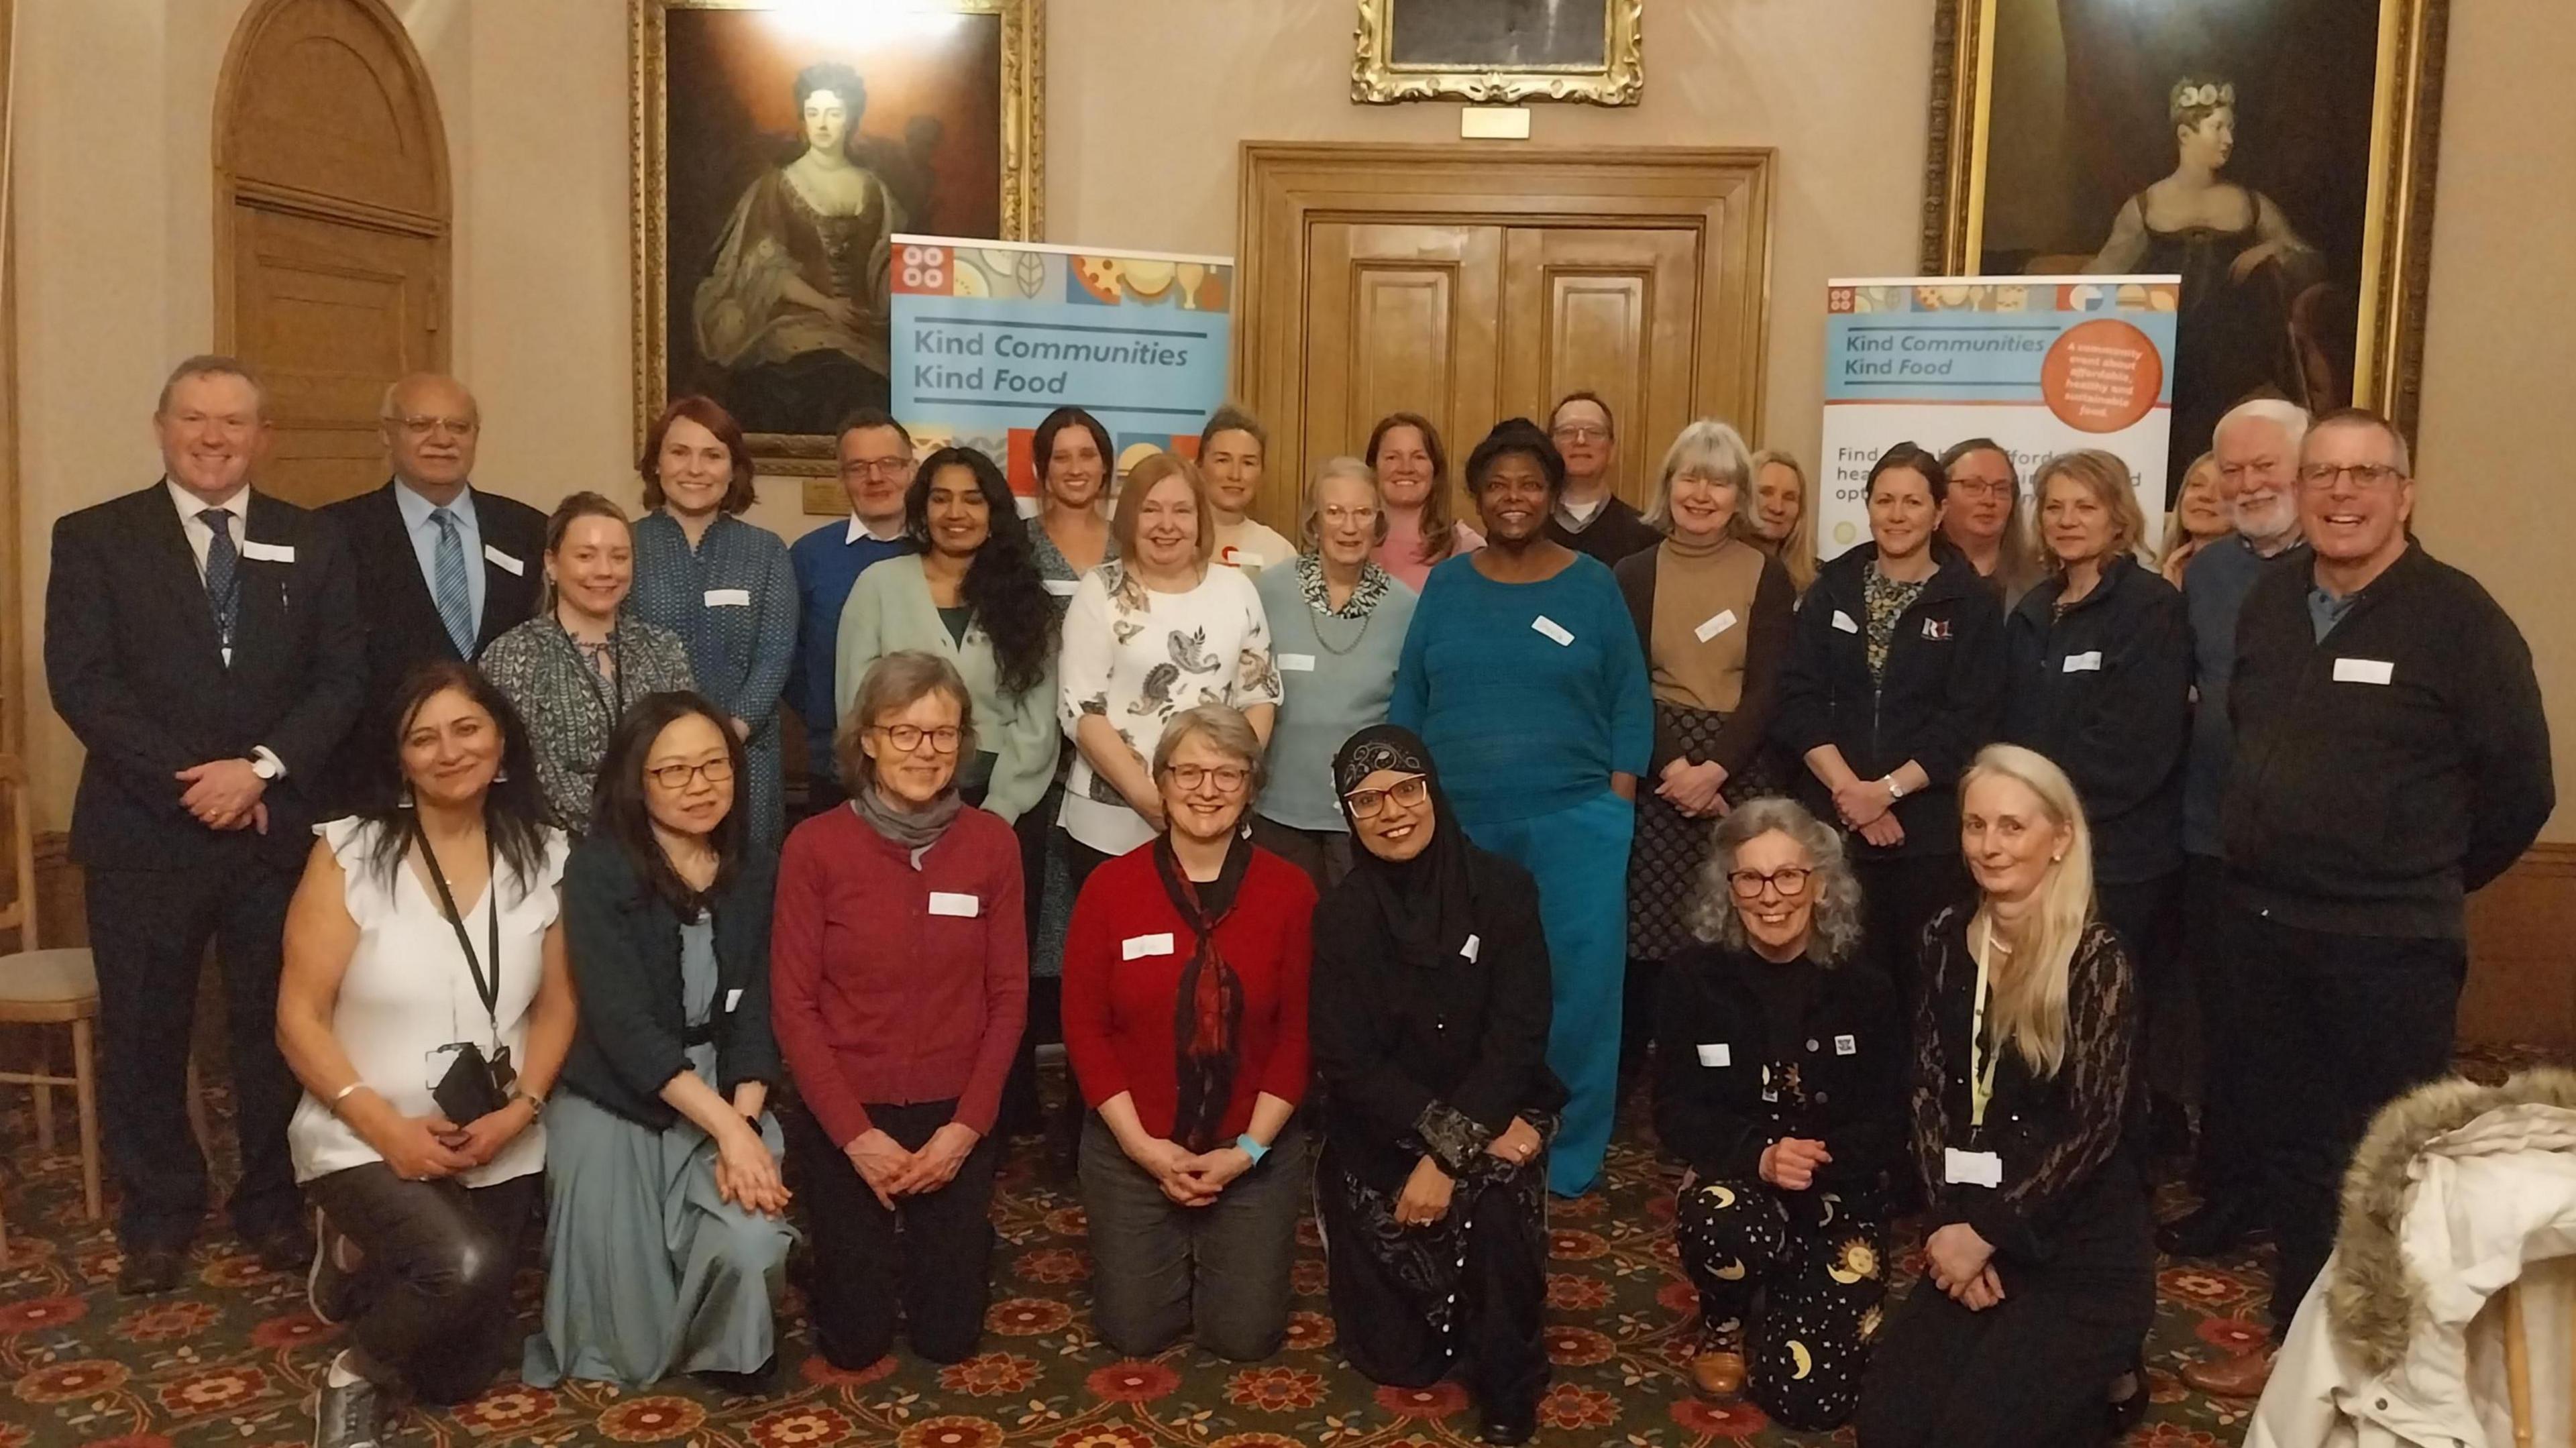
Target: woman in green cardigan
{"points": [[972, 596]]}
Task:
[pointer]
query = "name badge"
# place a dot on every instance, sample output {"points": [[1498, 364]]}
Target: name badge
{"points": [[1240, 558], [1140, 945], [733, 998], [1714, 1053], [503, 561], [1552, 629], [2088, 662], [1297, 663], [728, 598], [1971, 1168], [964, 907], [2347, 671], [1936, 629], [1846, 1046], [1060, 587], [1844, 622], [259, 552], [1472, 948], [1724, 620]]}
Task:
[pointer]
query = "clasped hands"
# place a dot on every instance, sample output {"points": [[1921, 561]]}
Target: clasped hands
{"points": [[891, 1172], [1191, 1179], [224, 794], [1962, 1264], [1425, 1198], [1693, 789], [1868, 806]]}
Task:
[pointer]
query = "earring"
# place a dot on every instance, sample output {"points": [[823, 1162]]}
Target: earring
{"points": [[501, 775], [404, 801]]}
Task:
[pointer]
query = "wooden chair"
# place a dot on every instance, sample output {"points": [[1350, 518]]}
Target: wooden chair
{"points": [[44, 988], [2518, 1368]]}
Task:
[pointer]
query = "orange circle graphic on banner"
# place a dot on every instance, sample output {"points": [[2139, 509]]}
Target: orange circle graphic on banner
{"points": [[2101, 376]]}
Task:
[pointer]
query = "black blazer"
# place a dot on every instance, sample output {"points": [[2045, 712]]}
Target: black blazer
{"points": [[624, 942], [2117, 721], [403, 628], [1937, 703], [1713, 1044], [137, 671]]}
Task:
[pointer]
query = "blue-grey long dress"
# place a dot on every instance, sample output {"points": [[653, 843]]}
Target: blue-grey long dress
{"points": [[732, 600]]}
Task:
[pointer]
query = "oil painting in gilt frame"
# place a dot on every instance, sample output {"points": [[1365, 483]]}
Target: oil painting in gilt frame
{"points": [[2277, 154], [1500, 51], [779, 146]]}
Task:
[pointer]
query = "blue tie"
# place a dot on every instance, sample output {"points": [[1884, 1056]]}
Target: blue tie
{"points": [[223, 575], [455, 599]]}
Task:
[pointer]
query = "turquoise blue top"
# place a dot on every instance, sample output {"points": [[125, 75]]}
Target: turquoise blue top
{"points": [[1530, 695], [1338, 671]]}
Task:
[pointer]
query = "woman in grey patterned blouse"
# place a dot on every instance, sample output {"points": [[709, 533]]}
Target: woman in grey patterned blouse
{"points": [[574, 670]]}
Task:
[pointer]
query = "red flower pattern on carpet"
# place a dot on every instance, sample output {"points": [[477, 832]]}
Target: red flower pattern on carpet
{"points": [[214, 1390], [1132, 1381], [295, 1329], [40, 1312], [1028, 1316], [1567, 1292], [63, 1382], [819, 1371], [1309, 1332], [2233, 1334], [1570, 1405], [1105, 1435], [1052, 1265], [651, 1420], [952, 1432], [1719, 1420], [168, 1321], [1577, 1347], [1568, 1245], [796, 1427], [1275, 1390], [506, 1408], [1436, 1401], [989, 1374]]}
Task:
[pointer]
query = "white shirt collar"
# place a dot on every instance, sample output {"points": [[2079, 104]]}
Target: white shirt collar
{"points": [[858, 530], [190, 505]]}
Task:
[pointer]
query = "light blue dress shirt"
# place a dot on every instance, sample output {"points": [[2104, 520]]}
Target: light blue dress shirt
{"points": [[424, 541]]}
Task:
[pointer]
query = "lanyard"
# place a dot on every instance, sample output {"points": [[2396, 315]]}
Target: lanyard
{"points": [[1981, 1080], [486, 989]]}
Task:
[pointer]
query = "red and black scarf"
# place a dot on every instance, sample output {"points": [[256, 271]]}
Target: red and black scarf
{"points": [[1207, 1009]]}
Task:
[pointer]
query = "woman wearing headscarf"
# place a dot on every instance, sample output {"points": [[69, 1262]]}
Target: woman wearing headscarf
{"points": [[1429, 1022]]}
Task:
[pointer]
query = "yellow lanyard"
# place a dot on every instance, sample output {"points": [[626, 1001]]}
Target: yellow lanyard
{"points": [[1981, 1080]]}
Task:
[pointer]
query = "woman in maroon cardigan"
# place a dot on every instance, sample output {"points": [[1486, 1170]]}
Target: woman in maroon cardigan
{"points": [[1185, 1018], [899, 980]]}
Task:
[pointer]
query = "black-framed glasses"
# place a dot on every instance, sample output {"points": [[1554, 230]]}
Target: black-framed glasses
{"points": [[1409, 791], [1227, 777], [679, 776], [907, 737], [2320, 476], [1789, 880]]}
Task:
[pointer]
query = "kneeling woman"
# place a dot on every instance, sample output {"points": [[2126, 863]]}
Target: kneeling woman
{"points": [[900, 977], [664, 1230], [1780, 1082], [1430, 1020], [2039, 1278], [1185, 1020]]}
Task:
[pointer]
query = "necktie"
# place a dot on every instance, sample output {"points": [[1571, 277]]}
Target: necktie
{"points": [[223, 576], [455, 600]]}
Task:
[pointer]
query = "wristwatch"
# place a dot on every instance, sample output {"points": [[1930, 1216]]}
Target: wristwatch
{"points": [[1251, 1148], [1894, 789], [265, 765]]}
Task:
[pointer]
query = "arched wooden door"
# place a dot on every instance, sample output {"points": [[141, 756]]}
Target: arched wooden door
{"points": [[331, 229]]}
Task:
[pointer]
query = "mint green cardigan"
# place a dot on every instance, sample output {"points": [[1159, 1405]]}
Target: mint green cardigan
{"points": [[889, 610]]}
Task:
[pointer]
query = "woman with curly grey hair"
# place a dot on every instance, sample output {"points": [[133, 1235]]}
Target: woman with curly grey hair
{"points": [[1780, 1082]]}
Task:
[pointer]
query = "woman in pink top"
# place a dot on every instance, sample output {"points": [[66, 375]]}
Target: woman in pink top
{"points": [[1413, 472]]}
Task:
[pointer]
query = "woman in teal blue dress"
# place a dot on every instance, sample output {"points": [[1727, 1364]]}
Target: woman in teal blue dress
{"points": [[1523, 674]]}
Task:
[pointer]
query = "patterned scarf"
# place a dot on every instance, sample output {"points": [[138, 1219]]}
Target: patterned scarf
{"points": [[1207, 1009], [1319, 597]]}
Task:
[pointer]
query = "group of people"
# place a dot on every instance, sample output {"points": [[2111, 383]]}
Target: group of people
{"points": [[1340, 867]]}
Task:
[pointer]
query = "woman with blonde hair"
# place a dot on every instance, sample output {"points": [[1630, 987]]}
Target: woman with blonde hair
{"points": [[2039, 1276], [1985, 517], [2200, 517], [1783, 514]]}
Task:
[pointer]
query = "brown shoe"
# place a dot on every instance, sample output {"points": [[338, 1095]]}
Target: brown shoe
{"points": [[1718, 1373], [2231, 1377]]}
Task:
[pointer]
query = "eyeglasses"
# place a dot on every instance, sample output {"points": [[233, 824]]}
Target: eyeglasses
{"points": [[679, 776], [1790, 881], [907, 737], [442, 426], [1227, 777], [876, 467], [1336, 515], [2320, 476], [1409, 791], [1580, 433], [1979, 488]]}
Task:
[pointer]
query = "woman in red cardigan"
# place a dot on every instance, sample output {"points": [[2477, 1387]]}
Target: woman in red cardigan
{"points": [[1185, 1018], [899, 978]]}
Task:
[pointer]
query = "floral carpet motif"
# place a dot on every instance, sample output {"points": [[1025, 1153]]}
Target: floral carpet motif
{"points": [[235, 1357]]}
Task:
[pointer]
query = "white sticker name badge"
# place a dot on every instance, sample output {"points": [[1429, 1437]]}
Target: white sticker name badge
{"points": [[1296, 663], [948, 902], [1714, 1053], [1552, 629], [2361, 671], [1846, 1046], [733, 998], [258, 552], [1061, 587], [1472, 948], [1971, 1168], [515, 567], [1844, 622], [1136, 947], [1723, 620], [728, 598], [2088, 662]]}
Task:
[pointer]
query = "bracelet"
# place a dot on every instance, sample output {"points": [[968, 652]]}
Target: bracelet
{"points": [[1895, 791], [535, 1102], [1251, 1147], [343, 1094]]}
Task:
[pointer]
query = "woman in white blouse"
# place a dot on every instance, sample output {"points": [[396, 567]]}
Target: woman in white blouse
{"points": [[1156, 631], [425, 969]]}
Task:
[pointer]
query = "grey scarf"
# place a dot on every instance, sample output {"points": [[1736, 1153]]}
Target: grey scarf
{"points": [[916, 829]]}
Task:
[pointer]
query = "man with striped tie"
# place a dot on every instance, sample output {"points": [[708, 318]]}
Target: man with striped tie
{"points": [[202, 640], [448, 567]]}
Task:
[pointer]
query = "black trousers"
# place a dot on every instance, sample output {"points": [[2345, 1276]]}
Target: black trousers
{"points": [[929, 1258], [2336, 1026], [148, 931], [434, 1293], [2226, 1162], [1821, 1284], [2148, 915], [1899, 893]]}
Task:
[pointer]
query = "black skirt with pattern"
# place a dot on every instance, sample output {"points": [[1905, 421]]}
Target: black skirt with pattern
{"points": [[1671, 848]]}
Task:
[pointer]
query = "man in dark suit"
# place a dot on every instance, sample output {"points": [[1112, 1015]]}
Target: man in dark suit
{"points": [[202, 639], [448, 568]]}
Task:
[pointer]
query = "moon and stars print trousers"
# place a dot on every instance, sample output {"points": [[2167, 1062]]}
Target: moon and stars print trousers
{"points": [[1820, 1271]]}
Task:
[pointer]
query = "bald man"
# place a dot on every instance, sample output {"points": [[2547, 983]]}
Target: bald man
{"points": [[444, 568]]}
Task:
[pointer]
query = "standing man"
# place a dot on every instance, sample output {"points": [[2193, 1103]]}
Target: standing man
{"points": [[1589, 517], [448, 568], [876, 473], [2391, 757], [2257, 446], [203, 641]]}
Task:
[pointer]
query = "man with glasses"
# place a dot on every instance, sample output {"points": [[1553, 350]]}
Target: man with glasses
{"points": [[2391, 756], [876, 472], [444, 568], [1589, 517]]}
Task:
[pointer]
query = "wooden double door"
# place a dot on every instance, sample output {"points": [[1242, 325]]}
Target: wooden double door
{"points": [[1470, 289]]}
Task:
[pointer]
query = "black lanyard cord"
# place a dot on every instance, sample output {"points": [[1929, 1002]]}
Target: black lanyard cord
{"points": [[486, 988]]}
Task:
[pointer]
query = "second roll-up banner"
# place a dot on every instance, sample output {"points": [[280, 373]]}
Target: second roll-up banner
{"points": [[2042, 365], [991, 336]]}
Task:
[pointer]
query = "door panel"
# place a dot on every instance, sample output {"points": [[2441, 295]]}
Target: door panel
{"points": [[1399, 318], [1612, 310]]}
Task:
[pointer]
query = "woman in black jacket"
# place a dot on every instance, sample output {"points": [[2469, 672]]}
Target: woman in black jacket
{"points": [[1891, 686], [665, 1234], [2098, 678], [1780, 1083], [1429, 1022]]}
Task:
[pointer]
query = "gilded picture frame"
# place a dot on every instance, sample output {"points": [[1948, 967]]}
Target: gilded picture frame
{"points": [[2338, 101], [1386, 68], [763, 197]]}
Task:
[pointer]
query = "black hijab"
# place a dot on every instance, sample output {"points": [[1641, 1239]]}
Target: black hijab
{"points": [[1424, 904]]}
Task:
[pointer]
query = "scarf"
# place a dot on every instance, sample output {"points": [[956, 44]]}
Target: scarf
{"points": [[915, 830], [1207, 1008], [1424, 903], [1364, 598]]}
